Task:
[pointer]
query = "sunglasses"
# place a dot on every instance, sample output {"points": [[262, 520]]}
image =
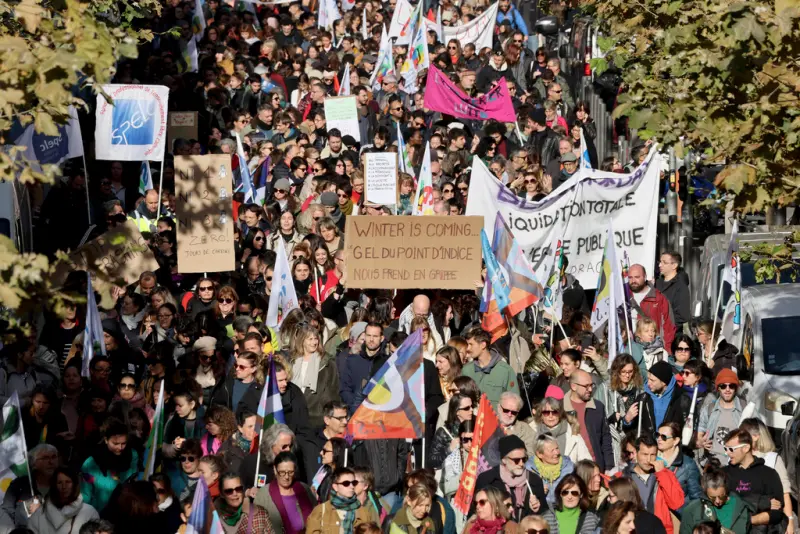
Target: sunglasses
{"points": [[730, 450], [187, 458], [574, 493], [243, 367], [269, 279], [258, 239], [549, 412], [231, 491], [481, 502], [662, 437], [520, 460], [687, 373], [531, 181], [466, 440], [512, 412], [348, 483], [127, 386], [726, 386], [226, 301], [205, 288], [537, 531], [683, 349]]}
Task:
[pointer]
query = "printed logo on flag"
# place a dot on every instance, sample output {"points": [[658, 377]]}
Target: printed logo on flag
{"points": [[51, 149], [133, 122]]}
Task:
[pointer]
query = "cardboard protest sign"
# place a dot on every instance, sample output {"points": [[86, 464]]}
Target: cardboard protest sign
{"points": [[398, 252], [341, 113], [118, 257], [182, 125], [133, 127], [203, 201], [380, 178], [576, 213]]}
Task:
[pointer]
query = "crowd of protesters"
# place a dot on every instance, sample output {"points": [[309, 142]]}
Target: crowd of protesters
{"points": [[590, 447]]}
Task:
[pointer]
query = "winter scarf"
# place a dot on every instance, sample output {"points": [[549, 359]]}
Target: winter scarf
{"points": [[242, 442], [349, 506], [549, 473], [348, 207], [495, 526], [231, 516], [132, 321], [518, 485], [302, 501], [661, 402], [653, 346], [559, 432], [58, 516], [302, 286], [568, 520]]}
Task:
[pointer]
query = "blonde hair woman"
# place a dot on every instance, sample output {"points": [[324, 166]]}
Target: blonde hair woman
{"points": [[428, 343], [314, 372], [551, 418]]}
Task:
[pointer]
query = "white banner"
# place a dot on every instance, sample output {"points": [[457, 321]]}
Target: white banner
{"points": [[478, 32], [399, 26], [134, 126], [578, 211], [47, 149]]}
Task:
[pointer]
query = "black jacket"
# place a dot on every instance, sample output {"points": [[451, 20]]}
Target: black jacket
{"points": [[223, 395], [725, 357], [387, 458], [677, 410], [677, 293], [545, 144], [491, 478]]}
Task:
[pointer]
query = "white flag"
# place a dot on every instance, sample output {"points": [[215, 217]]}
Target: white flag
{"points": [[328, 14], [93, 339], [364, 28], [133, 127], [401, 19], [283, 298], [198, 20], [384, 64], [586, 163], [13, 450], [417, 58], [48, 149], [423, 200], [479, 31], [344, 83]]}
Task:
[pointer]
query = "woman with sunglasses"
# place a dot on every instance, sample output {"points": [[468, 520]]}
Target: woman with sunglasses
{"points": [[234, 509], [128, 391], [550, 418], [446, 438], [257, 245], [225, 310], [684, 349], [670, 453], [332, 456], [696, 375], [491, 515], [550, 465], [169, 507], [204, 298], [626, 384], [287, 501], [571, 512], [453, 465]]}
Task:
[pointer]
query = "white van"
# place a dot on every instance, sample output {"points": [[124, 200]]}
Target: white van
{"points": [[770, 320]]}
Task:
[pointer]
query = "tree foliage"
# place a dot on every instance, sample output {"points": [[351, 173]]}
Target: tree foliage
{"points": [[724, 77], [50, 51]]}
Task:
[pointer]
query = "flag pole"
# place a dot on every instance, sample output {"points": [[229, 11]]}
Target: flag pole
{"points": [[715, 314], [160, 185], [86, 187]]}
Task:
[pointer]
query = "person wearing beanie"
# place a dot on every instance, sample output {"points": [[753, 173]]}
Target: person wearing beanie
{"points": [[662, 401], [720, 415], [512, 477], [331, 203]]}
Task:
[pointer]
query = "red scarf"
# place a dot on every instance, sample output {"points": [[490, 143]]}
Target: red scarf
{"points": [[302, 500], [487, 527]]}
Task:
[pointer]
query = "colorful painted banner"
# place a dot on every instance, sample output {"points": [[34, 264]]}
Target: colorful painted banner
{"points": [[133, 126], [443, 95]]}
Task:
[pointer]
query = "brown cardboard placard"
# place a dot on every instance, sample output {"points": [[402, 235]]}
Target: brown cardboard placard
{"points": [[181, 124], [405, 252]]}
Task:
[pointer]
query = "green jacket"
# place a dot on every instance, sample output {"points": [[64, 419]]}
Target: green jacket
{"points": [[702, 510], [97, 485], [493, 379]]}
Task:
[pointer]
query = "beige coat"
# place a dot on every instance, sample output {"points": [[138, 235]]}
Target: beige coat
{"points": [[324, 519]]}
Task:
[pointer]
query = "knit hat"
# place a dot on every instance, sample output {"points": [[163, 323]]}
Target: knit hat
{"points": [[510, 443], [328, 198], [205, 343], [662, 371], [726, 376], [356, 330], [554, 392]]}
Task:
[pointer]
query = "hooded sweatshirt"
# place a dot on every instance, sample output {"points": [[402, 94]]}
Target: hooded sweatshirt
{"points": [[757, 484], [661, 402]]}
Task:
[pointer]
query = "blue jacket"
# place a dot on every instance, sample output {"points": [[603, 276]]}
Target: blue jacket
{"points": [[688, 475], [357, 370], [514, 17], [567, 467]]}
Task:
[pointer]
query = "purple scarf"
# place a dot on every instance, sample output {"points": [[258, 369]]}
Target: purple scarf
{"points": [[302, 499]]}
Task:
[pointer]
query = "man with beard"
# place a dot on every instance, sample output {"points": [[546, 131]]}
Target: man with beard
{"points": [[358, 368], [146, 213], [512, 477], [652, 303]]}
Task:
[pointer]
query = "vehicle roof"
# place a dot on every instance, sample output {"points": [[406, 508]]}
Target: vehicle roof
{"points": [[776, 300], [719, 242]]}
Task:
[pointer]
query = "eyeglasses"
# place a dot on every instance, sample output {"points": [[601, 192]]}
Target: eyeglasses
{"points": [[481, 502], [226, 301], [127, 386], [188, 458], [259, 239], [286, 474], [662, 437], [103, 370], [727, 386], [517, 41], [549, 412], [281, 191], [587, 386], [327, 451], [730, 450], [164, 315], [686, 373], [205, 288], [448, 190], [341, 195], [348, 483], [397, 109], [520, 460], [297, 256], [537, 531], [231, 491], [574, 493], [512, 412], [531, 181], [464, 188]]}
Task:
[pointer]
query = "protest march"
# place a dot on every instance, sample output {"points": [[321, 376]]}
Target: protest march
{"points": [[348, 266]]}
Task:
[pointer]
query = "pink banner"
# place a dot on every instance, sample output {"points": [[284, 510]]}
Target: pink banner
{"points": [[443, 95]]}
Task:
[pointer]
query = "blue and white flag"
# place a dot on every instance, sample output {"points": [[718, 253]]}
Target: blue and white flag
{"points": [[499, 289], [133, 126], [93, 339], [283, 298], [270, 407], [145, 178], [586, 163], [251, 194], [52, 150]]}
